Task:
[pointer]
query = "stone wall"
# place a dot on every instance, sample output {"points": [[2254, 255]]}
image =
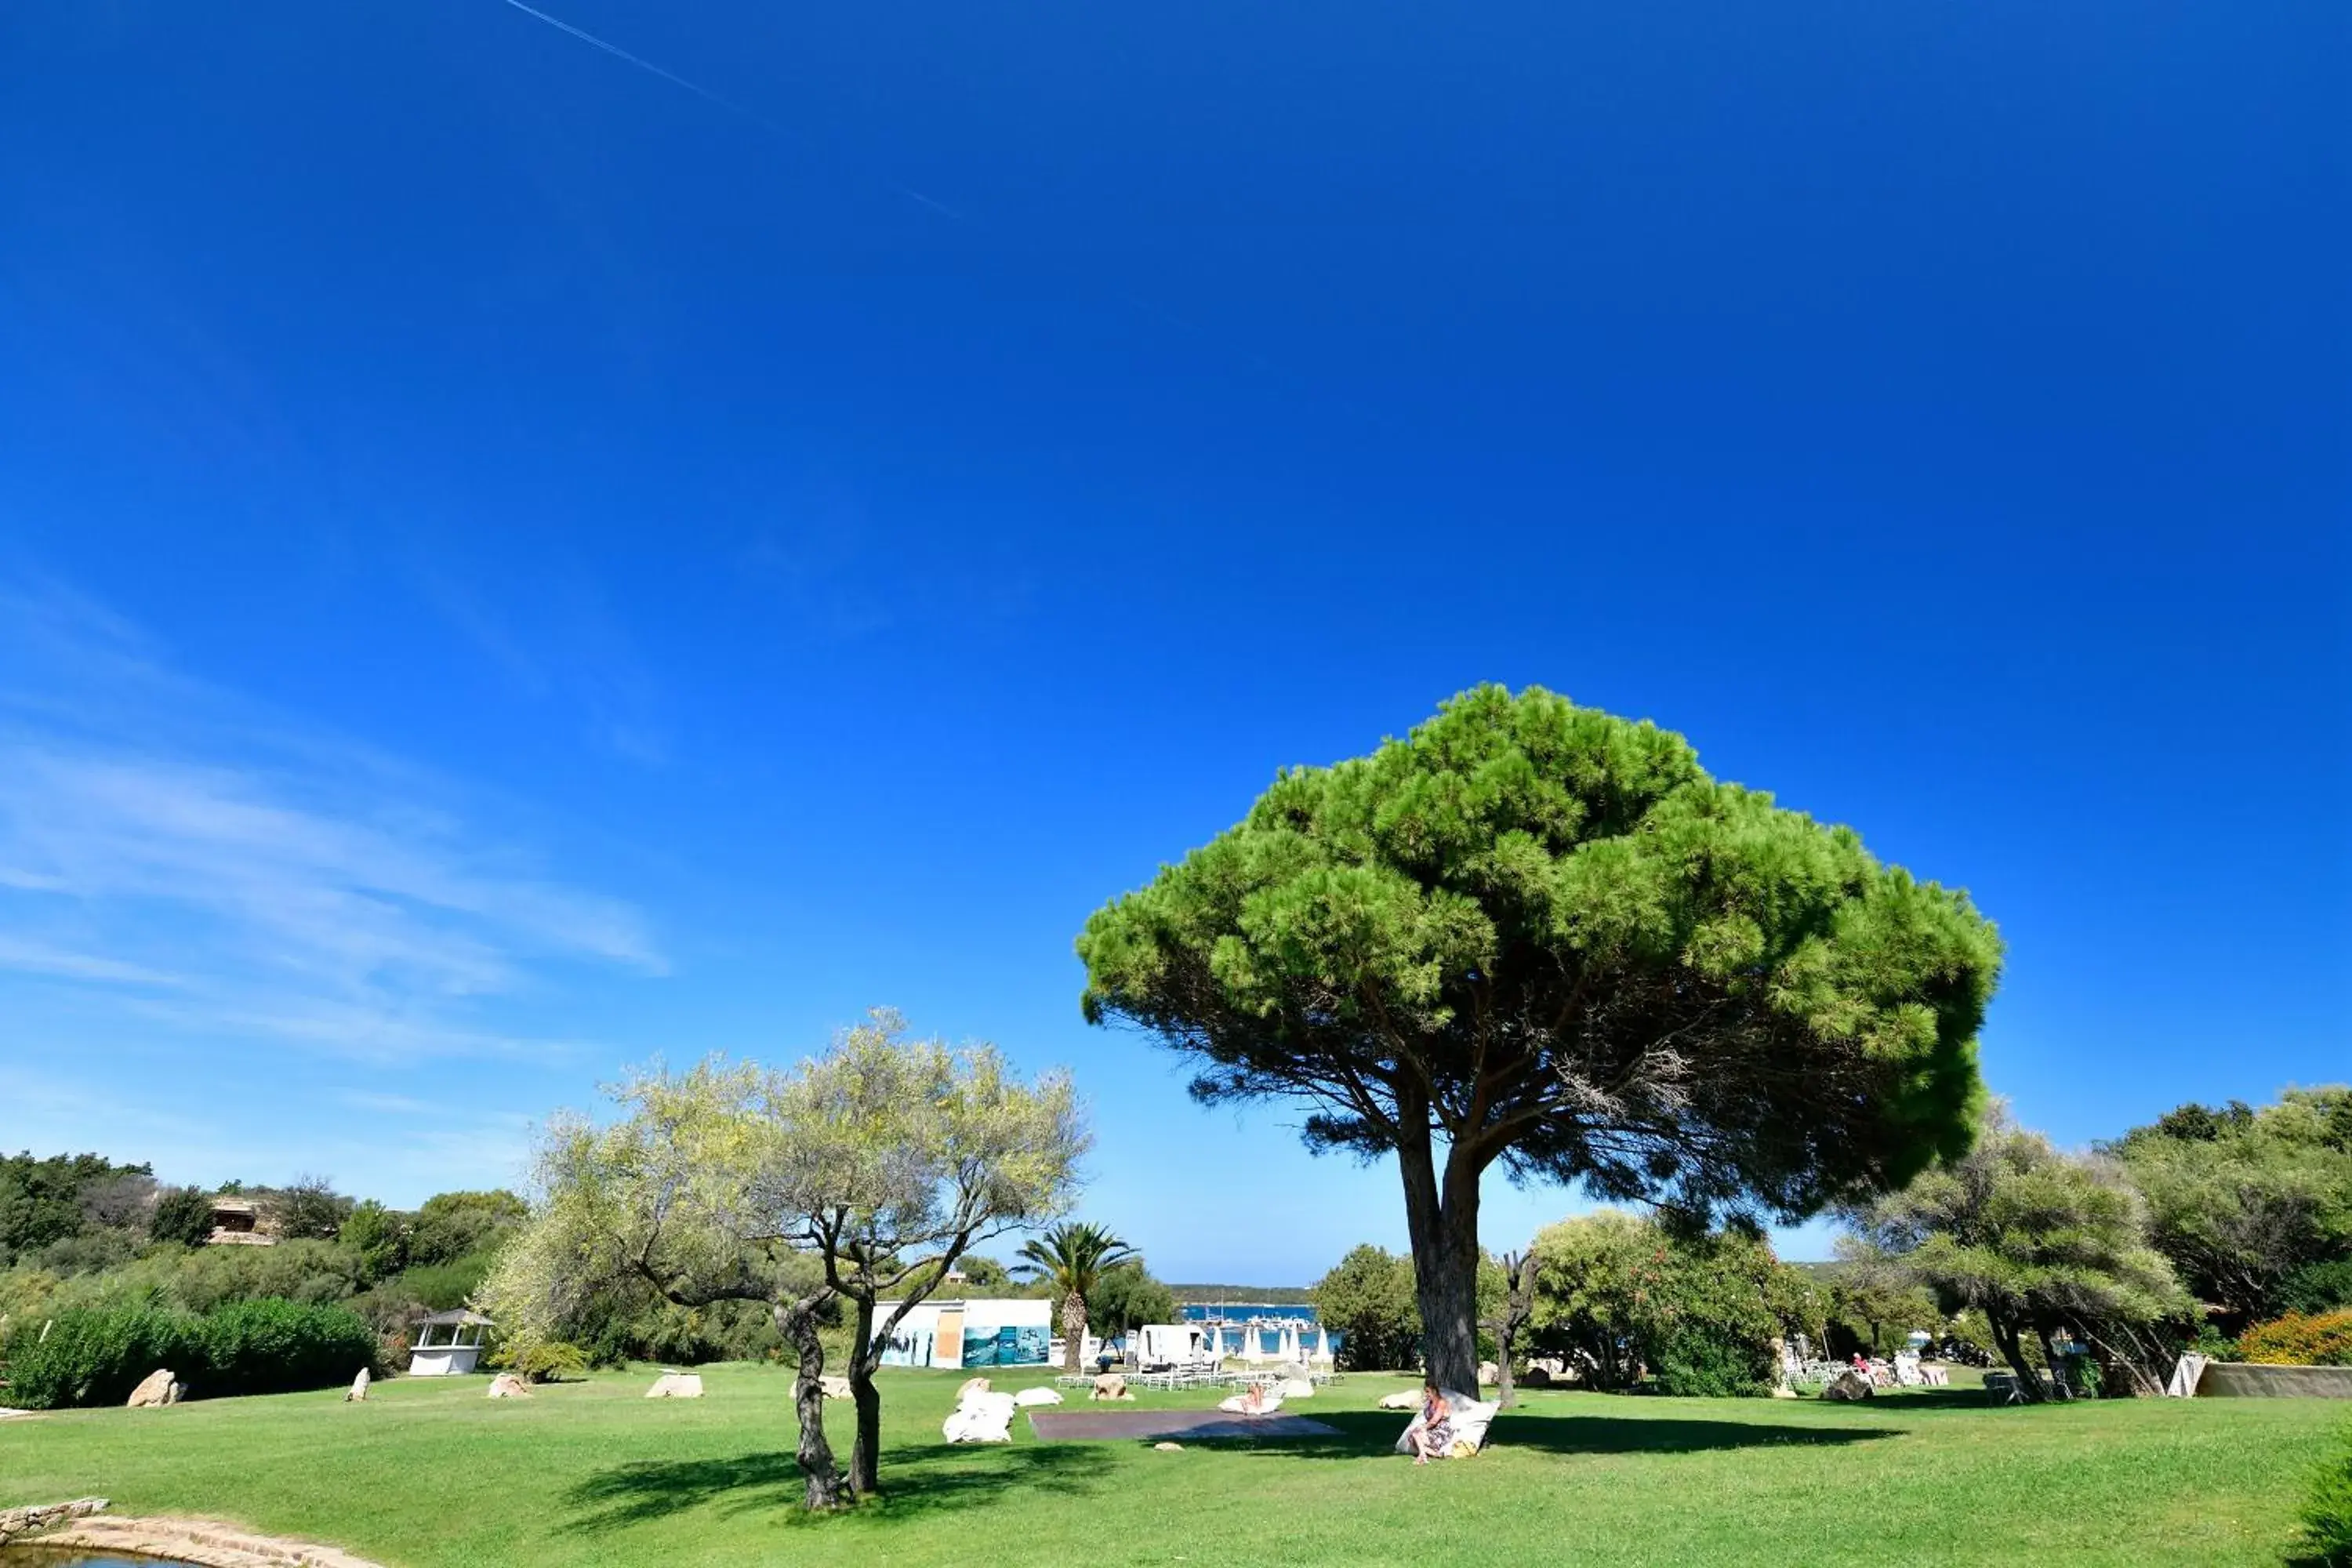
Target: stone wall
{"points": [[15, 1523], [2246, 1379]]}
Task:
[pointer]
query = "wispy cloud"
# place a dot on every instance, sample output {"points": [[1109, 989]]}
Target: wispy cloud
{"points": [[158, 836], [41, 958]]}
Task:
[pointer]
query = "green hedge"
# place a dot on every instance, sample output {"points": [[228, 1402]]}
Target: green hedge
{"points": [[94, 1357], [277, 1347], [97, 1357]]}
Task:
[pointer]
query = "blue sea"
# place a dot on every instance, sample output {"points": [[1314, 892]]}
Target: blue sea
{"points": [[1237, 1313], [1196, 1313]]}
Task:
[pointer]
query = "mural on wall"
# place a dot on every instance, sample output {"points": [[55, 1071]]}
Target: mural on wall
{"points": [[1026, 1345]]}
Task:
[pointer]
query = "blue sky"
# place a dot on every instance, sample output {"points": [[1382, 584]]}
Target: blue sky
{"points": [[510, 565]]}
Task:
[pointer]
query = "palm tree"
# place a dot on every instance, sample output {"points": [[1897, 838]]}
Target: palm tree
{"points": [[1071, 1258]]}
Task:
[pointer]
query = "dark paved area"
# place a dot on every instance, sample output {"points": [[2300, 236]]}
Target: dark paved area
{"points": [[1102, 1425]]}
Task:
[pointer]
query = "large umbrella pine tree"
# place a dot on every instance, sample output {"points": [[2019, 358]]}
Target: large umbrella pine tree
{"points": [[1539, 936]]}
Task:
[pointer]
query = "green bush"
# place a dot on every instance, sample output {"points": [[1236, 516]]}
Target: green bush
{"points": [[277, 1347], [2327, 1516], [99, 1356], [2298, 1340], [94, 1357], [183, 1214], [1702, 1365], [553, 1362], [1368, 1300], [444, 1287], [453, 1225], [2318, 1287]]}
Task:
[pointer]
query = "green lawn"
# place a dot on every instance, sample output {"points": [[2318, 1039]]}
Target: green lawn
{"points": [[429, 1474]]}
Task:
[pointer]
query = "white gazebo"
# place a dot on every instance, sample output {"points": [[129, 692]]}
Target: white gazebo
{"points": [[447, 1343]]}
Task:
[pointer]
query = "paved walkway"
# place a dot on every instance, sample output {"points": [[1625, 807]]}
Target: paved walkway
{"points": [[1104, 1426]]}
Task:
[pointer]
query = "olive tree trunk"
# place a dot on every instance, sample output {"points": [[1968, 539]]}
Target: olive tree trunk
{"points": [[826, 1487], [864, 1356], [1518, 1306], [2012, 1351]]}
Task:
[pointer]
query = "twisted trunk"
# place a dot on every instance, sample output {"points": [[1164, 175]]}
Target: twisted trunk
{"points": [[2005, 1338], [826, 1489], [1518, 1306], [864, 1356]]}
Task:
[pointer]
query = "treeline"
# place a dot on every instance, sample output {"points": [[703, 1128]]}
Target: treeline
{"points": [[81, 1233], [1627, 1303], [83, 1239], [1245, 1295], [2224, 1230], [619, 1320]]}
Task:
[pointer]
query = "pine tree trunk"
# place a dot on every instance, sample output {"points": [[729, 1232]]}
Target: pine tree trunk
{"points": [[1074, 1330], [826, 1488], [1444, 1226]]}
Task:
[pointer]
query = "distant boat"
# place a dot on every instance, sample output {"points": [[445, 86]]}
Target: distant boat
{"points": [[1264, 1331]]}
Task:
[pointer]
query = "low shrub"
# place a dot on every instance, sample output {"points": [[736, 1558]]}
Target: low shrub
{"points": [[552, 1362], [2300, 1339], [98, 1356], [2328, 1515]]}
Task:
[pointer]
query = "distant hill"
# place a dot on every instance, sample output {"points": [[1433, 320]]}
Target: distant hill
{"points": [[1229, 1295]]}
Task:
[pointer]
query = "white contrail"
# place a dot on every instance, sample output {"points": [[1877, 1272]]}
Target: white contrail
{"points": [[704, 93]]}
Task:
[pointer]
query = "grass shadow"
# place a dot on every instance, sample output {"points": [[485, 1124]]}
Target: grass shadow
{"points": [[1361, 1434], [1909, 1399], [925, 1480]]}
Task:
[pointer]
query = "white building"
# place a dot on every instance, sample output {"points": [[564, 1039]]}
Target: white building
{"points": [[447, 1343], [1160, 1346], [968, 1333]]}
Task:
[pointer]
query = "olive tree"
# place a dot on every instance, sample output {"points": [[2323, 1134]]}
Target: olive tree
{"points": [[896, 1156], [667, 1198], [853, 1176], [1538, 936], [2242, 1199], [1511, 1303], [2038, 1240]]}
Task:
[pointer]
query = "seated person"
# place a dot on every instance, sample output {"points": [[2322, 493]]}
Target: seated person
{"points": [[1434, 1433]]}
